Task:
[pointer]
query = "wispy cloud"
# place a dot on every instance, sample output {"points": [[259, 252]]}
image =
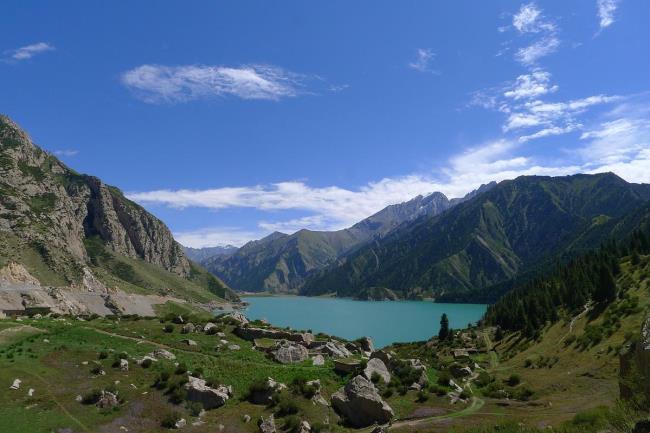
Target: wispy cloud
{"points": [[529, 55], [66, 152], [531, 85], [29, 51], [530, 19], [606, 11], [216, 236], [422, 62], [171, 84]]}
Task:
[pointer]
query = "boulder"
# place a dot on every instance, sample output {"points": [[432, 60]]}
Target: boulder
{"points": [[334, 349], [16, 384], [188, 328], [366, 344], [386, 357], [189, 342], [459, 371], [107, 400], [318, 360], [162, 354], [346, 366], [250, 334], [288, 352], [234, 347], [124, 365], [210, 398], [304, 427], [208, 326], [376, 365], [180, 423], [146, 357], [360, 404], [264, 394], [267, 425], [237, 317], [246, 418]]}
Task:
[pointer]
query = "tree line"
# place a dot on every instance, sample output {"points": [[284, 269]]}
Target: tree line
{"points": [[591, 277]]}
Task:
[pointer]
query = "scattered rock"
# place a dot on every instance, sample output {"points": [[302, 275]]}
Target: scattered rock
{"points": [[189, 342], [124, 365], [246, 418], [162, 354], [223, 341], [460, 371], [107, 400], [208, 326], [250, 334], [145, 358], [360, 404], [318, 360], [304, 427], [334, 349], [234, 347], [288, 352], [210, 398], [188, 328], [78, 399], [386, 357], [379, 429], [221, 334], [180, 423], [237, 317], [267, 425], [377, 366], [16, 384], [366, 344], [30, 393]]}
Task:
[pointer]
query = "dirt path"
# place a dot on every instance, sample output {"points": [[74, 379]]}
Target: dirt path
{"points": [[494, 357], [475, 406]]}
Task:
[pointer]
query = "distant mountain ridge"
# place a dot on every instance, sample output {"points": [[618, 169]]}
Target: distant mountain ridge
{"points": [[201, 254], [511, 228], [69, 229], [280, 263]]}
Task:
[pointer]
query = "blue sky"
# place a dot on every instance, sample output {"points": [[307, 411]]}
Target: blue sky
{"points": [[230, 120]]}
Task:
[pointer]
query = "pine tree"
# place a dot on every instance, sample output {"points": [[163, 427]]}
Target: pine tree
{"points": [[606, 289], [443, 334]]}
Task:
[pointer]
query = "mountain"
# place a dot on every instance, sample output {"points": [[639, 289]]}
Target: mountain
{"points": [[67, 229], [510, 229], [201, 254], [281, 262]]}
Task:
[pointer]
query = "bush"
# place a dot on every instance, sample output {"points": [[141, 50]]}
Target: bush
{"points": [[437, 390], [146, 363], [170, 419], [514, 380], [422, 396], [181, 369], [443, 378], [522, 393], [91, 397], [465, 395], [299, 386], [387, 393], [168, 329], [102, 355], [194, 408], [286, 407], [317, 427], [291, 423]]}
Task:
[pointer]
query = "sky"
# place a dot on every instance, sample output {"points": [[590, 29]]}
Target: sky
{"points": [[233, 119]]}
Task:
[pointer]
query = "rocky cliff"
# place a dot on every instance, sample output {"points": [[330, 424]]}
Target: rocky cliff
{"points": [[634, 379], [51, 218]]}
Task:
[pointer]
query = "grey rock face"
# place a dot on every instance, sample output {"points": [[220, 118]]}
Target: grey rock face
{"points": [[288, 352], [377, 366], [360, 404], [334, 349], [210, 398]]}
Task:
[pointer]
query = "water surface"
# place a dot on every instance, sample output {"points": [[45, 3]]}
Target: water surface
{"points": [[385, 321]]}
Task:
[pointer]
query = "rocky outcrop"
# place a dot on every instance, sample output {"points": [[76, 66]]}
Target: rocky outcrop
{"points": [[288, 352], [210, 398], [264, 393], [250, 334], [267, 425], [333, 349], [107, 400], [377, 366], [68, 220], [634, 376], [360, 405]]}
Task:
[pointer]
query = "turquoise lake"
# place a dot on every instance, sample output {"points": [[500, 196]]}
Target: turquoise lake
{"points": [[385, 322]]}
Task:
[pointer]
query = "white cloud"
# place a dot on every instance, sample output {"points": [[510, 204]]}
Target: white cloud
{"points": [[528, 56], [531, 85], [547, 132], [157, 83], [606, 10], [29, 51], [529, 19], [215, 236], [66, 152], [423, 60]]}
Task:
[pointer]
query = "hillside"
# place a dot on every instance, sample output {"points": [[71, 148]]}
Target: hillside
{"points": [[511, 229], [66, 229], [200, 255], [281, 262]]}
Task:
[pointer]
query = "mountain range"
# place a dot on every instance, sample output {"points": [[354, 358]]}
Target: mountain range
{"points": [[67, 229], [281, 263]]}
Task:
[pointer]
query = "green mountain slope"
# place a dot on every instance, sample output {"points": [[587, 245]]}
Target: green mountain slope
{"points": [[512, 228], [65, 227], [280, 263]]}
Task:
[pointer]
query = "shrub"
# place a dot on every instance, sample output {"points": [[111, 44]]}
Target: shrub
{"points": [[168, 329], [437, 390], [91, 397], [317, 427], [194, 408], [146, 363], [514, 380], [181, 369], [465, 395], [443, 378], [102, 355], [387, 393], [291, 423], [522, 393], [286, 407], [170, 419], [422, 396]]}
